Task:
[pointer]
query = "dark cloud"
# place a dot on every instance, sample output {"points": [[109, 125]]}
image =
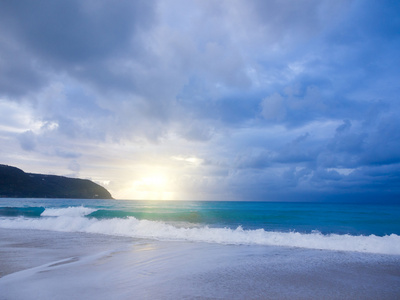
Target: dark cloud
{"points": [[274, 100], [18, 75], [74, 32], [255, 159], [346, 141], [70, 37]]}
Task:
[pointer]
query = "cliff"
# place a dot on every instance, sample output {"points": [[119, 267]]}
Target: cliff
{"points": [[15, 183]]}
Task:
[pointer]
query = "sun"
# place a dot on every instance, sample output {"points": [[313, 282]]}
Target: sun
{"points": [[156, 181], [152, 187]]}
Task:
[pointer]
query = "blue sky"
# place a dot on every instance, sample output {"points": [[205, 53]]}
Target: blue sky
{"points": [[205, 100]]}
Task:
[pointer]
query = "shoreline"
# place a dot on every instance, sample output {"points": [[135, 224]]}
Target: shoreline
{"points": [[65, 265]]}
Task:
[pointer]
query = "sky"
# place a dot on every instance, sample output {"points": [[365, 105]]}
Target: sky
{"points": [[205, 99]]}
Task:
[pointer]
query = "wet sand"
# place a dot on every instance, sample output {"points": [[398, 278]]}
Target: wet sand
{"points": [[53, 265]]}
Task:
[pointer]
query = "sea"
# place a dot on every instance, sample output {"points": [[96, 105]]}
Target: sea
{"points": [[125, 249]]}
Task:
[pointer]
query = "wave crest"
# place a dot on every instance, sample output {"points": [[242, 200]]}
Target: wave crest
{"points": [[72, 219], [72, 211]]}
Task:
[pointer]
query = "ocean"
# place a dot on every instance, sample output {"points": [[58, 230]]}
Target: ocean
{"points": [[102, 249]]}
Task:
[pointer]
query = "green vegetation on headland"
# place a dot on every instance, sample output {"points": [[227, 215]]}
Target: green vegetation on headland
{"points": [[15, 183]]}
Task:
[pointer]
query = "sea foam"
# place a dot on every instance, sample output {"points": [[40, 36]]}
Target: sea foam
{"points": [[72, 211], [73, 219]]}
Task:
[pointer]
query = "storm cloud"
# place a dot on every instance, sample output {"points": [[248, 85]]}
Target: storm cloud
{"points": [[230, 100]]}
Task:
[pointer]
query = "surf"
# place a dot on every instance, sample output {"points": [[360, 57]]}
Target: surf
{"points": [[77, 219]]}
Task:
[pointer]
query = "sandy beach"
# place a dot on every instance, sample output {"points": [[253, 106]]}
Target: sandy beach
{"points": [[53, 265]]}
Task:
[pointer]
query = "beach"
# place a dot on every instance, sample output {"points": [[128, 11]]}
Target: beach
{"points": [[190, 149], [108, 249], [38, 264]]}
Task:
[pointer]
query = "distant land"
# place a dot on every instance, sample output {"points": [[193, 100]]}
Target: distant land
{"points": [[15, 183]]}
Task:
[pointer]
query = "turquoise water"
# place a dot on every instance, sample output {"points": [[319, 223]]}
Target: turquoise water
{"points": [[373, 228], [341, 218]]}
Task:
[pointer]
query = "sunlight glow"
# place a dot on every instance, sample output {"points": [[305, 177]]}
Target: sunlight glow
{"points": [[152, 187], [153, 181]]}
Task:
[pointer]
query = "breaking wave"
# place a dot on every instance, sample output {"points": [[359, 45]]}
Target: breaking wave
{"points": [[79, 211], [75, 219]]}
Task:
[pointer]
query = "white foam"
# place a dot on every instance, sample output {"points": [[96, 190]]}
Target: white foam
{"points": [[77, 211], [133, 227]]}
